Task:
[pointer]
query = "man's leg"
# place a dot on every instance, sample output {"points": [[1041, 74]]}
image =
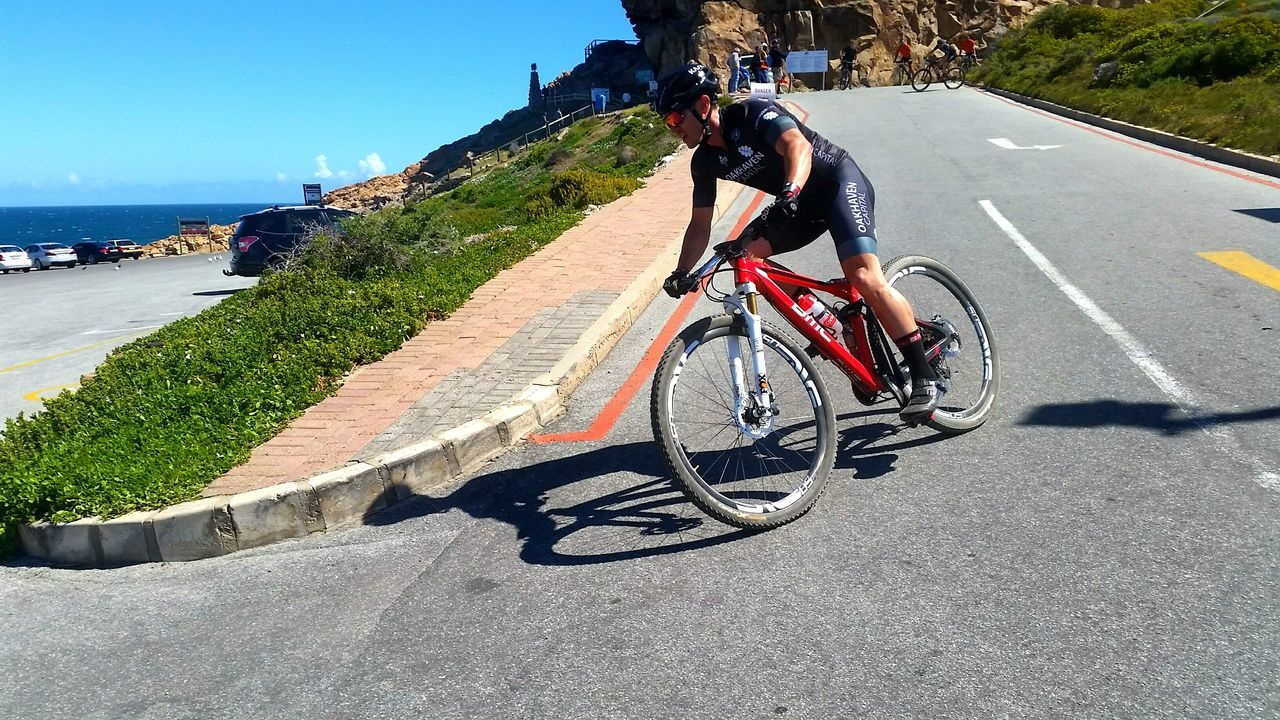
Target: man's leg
{"points": [[863, 271]]}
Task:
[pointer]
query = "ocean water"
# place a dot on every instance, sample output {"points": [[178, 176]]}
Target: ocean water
{"points": [[143, 224]]}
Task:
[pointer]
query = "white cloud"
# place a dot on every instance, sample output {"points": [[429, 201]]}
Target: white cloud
{"points": [[344, 174], [73, 178], [322, 167], [372, 165], [281, 177]]}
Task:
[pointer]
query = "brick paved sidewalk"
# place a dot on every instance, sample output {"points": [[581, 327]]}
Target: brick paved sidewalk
{"points": [[513, 328]]}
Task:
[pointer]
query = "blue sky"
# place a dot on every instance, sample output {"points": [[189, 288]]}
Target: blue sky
{"points": [[130, 102]]}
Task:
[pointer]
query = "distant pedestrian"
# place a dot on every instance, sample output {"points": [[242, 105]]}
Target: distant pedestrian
{"points": [[778, 62], [763, 53], [734, 61], [753, 67]]}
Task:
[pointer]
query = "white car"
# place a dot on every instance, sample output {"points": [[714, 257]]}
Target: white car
{"points": [[13, 258], [46, 255]]}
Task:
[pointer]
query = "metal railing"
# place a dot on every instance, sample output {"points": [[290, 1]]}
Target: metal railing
{"points": [[493, 157]]}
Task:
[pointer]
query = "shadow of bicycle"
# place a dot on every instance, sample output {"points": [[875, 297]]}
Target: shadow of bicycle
{"points": [[571, 510]]}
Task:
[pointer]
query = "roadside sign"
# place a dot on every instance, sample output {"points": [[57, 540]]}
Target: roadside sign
{"points": [[193, 229], [762, 91], [807, 61], [311, 194]]}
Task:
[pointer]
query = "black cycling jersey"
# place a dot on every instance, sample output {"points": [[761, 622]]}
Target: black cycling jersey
{"points": [[837, 196], [751, 129]]}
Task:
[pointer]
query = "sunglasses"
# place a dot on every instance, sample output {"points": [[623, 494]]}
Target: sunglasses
{"points": [[674, 118]]}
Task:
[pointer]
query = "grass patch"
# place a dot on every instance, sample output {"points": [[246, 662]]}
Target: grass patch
{"points": [[170, 412], [1215, 78]]}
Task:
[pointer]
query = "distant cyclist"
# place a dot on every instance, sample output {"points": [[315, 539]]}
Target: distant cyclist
{"points": [[847, 56], [818, 188], [948, 51]]}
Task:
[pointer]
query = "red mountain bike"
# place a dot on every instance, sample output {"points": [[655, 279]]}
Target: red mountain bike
{"points": [[741, 413]]}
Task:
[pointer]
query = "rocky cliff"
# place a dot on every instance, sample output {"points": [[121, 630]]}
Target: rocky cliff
{"points": [[675, 31]]}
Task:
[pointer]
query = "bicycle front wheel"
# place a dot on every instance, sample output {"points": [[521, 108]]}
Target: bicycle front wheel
{"points": [[953, 79], [957, 338], [737, 467], [921, 80]]}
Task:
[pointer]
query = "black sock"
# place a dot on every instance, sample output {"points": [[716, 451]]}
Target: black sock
{"points": [[912, 347]]}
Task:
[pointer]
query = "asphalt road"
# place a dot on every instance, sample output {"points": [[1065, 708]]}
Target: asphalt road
{"points": [[1106, 546], [61, 323]]}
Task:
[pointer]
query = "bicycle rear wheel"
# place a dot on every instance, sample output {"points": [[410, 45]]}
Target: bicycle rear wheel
{"points": [[921, 80], [759, 480], [954, 78], [957, 337]]}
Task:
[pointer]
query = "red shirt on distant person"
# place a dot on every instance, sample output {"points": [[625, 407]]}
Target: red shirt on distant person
{"points": [[966, 46]]}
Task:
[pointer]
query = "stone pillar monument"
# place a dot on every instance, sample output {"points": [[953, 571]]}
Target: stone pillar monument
{"points": [[535, 87]]}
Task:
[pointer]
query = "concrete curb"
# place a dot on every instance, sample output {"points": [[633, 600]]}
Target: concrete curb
{"points": [[344, 496], [1234, 158]]}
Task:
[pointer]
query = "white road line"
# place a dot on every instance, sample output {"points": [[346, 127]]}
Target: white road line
{"points": [[121, 330], [1135, 351]]}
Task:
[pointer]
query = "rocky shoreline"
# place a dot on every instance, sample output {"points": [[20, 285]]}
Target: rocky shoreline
{"points": [[219, 240]]}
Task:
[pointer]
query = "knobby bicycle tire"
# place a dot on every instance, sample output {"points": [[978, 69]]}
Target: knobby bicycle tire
{"points": [[953, 78], [715, 480], [957, 413]]}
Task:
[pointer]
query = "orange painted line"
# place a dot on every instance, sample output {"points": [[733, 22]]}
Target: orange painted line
{"points": [[1140, 145], [614, 408]]}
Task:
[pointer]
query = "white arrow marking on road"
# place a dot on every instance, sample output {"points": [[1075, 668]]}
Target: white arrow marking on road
{"points": [[1007, 144]]}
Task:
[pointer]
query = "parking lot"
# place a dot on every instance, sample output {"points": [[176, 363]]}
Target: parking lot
{"points": [[60, 323]]}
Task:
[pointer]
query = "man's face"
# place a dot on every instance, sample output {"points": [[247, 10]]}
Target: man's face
{"points": [[688, 128]]}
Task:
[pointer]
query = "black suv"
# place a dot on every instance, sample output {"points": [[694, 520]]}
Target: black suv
{"points": [[269, 236]]}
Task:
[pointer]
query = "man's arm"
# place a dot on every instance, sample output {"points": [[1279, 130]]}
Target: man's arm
{"points": [[797, 156], [696, 237]]}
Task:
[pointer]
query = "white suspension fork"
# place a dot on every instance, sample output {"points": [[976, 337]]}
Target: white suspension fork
{"points": [[753, 400]]}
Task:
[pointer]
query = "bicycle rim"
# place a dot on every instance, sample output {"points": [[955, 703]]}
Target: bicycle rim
{"points": [[921, 80], [954, 78], [968, 367], [741, 480]]}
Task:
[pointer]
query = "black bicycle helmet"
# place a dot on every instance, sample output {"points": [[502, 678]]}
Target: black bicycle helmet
{"points": [[680, 88]]}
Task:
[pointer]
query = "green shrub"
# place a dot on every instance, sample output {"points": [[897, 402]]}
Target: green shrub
{"points": [[535, 156], [1065, 22]]}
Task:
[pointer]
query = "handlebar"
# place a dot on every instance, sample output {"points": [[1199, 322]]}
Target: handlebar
{"points": [[731, 249]]}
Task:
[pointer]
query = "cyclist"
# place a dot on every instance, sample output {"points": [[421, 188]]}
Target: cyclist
{"points": [[904, 57], [847, 56], [818, 187], [948, 52]]}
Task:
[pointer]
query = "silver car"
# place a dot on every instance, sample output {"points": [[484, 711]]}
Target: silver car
{"points": [[49, 254], [13, 258]]}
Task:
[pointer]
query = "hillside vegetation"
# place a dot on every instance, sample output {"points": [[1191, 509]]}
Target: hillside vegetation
{"points": [[1215, 78], [170, 412]]}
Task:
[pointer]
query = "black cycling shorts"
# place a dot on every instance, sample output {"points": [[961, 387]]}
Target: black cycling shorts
{"points": [[845, 206]]}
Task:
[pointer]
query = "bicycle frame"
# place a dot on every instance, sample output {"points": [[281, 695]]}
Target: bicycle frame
{"points": [[869, 369], [754, 278]]}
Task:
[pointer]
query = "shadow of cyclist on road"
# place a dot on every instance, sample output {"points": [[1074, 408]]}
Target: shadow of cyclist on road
{"points": [[570, 511]]}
